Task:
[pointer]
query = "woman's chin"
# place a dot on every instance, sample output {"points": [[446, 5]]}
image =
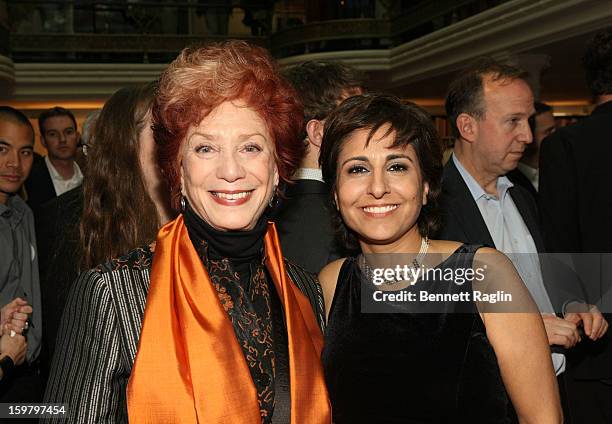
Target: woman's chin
{"points": [[227, 218], [379, 238]]}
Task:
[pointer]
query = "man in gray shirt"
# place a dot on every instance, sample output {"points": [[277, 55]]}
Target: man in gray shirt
{"points": [[18, 258], [489, 106]]}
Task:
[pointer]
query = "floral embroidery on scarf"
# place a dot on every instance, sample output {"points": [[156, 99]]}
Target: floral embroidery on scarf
{"points": [[250, 312]]}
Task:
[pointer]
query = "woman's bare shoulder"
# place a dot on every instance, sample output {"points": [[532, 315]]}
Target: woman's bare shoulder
{"points": [[329, 273], [443, 246], [450, 246]]}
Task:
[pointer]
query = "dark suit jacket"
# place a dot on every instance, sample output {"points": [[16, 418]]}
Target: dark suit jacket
{"points": [[58, 242], [518, 178], [462, 221], [575, 178], [39, 185], [304, 226], [576, 211]]}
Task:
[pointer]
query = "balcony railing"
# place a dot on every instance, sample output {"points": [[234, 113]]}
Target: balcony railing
{"points": [[154, 31]]}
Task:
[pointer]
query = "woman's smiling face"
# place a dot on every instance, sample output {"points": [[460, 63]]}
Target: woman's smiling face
{"points": [[379, 189], [228, 171]]}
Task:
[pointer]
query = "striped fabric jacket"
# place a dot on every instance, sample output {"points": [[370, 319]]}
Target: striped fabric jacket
{"points": [[99, 333]]}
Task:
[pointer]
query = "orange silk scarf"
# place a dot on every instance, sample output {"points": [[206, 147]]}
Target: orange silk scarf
{"points": [[190, 368]]}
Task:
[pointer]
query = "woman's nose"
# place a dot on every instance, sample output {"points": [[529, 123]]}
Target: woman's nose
{"points": [[378, 186], [230, 169]]}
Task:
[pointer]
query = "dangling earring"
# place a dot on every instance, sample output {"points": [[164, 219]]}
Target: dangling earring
{"points": [[271, 202], [183, 204]]}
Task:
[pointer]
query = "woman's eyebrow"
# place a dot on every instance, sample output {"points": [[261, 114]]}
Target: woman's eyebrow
{"points": [[399, 156], [243, 137], [201, 134], [359, 158]]}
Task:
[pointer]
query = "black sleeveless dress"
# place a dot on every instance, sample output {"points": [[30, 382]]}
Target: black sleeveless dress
{"points": [[410, 368]]}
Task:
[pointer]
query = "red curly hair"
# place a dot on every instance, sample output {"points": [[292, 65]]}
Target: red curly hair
{"points": [[203, 77]]}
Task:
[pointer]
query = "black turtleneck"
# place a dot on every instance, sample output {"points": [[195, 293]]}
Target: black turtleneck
{"points": [[237, 246], [241, 248], [252, 305]]}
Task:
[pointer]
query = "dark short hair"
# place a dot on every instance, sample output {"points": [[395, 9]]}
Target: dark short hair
{"points": [[597, 62], [411, 125], [202, 78], [51, 113], [8, 113], [322, 85], [541, 107], [466, 94]]}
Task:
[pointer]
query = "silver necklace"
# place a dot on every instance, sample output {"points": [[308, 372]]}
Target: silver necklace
{"points": [[416, 262]]}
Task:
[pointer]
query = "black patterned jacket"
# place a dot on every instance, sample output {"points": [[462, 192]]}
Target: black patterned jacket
{"points": [[98, 336]]}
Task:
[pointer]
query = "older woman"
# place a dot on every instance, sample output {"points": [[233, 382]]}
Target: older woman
{"points": [[226, 336], [461, 360]]}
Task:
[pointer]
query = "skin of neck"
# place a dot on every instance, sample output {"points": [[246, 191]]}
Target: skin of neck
{"points": [[65, 167], [311, 159], [470, 162], [159, 199], [314, 138], [163, 212], [408, 243], [603, 98]]}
